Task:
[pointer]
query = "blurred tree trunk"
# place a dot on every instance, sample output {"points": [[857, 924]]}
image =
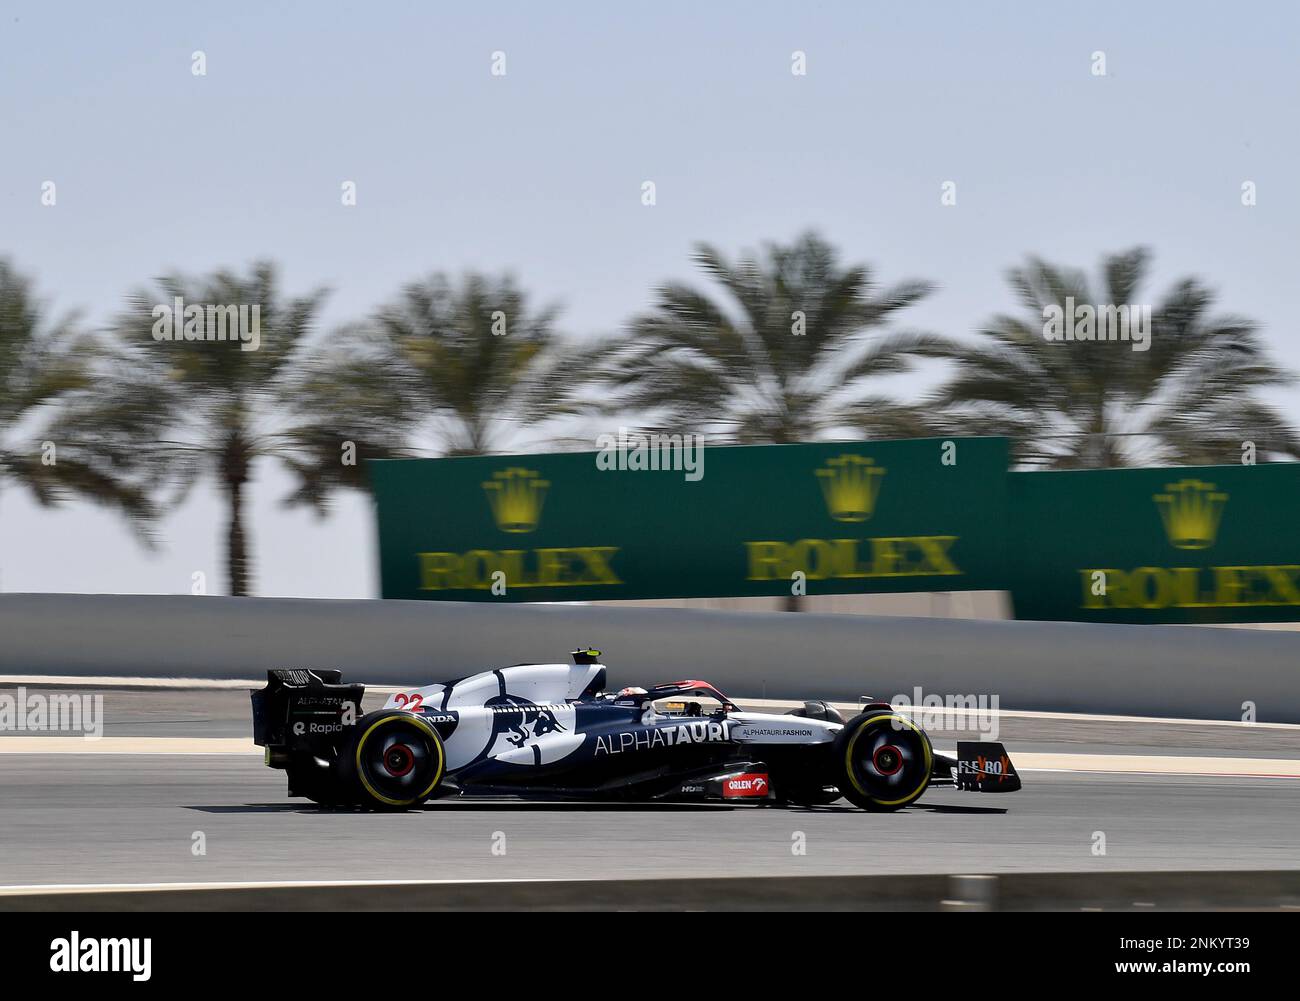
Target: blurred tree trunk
{"points": [[236, 458], [236, 539]]}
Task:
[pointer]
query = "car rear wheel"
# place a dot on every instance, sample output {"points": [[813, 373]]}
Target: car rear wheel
{"points": [[883, 761], [395, 761]]}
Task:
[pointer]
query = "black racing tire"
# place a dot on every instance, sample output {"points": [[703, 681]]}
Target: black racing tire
{"points": [[393, 761], [882, 761]]}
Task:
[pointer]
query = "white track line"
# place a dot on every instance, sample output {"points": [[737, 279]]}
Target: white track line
{"points": [[104, 681], [57, 888], [1154, 764], [128, 745]]}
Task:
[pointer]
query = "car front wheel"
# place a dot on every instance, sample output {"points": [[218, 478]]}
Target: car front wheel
{"points": [[882, 761]]}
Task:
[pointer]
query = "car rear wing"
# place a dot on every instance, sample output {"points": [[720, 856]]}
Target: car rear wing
{"points": [[303, 712]]}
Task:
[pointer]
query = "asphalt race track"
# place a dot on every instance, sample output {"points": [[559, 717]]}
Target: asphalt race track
{"points": [[114, 819], [99, 818]]}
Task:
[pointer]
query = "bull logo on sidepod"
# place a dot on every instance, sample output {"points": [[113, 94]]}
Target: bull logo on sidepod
{"points": [[521, 721]]}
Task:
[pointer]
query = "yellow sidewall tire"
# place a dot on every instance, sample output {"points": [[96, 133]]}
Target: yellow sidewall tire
{"points": [[847, 780], [367, 728]]}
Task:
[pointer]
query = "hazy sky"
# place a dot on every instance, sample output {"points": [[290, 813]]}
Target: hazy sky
{"points": [[540, 171]]}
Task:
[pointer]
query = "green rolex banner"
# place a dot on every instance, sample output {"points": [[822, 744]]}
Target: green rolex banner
{"points": [[917, 515], [1179, 544]]}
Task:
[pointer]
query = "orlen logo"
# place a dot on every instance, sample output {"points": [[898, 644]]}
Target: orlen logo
{"points": [[754, 784]]}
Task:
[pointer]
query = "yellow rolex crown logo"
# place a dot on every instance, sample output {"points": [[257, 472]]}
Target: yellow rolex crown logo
{"points": [[1191, 510], [516, 496], [850, 484]]}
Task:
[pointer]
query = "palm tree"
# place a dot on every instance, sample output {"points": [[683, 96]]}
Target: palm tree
{"points": [[46, 370], [785, 358], [201, 407], [1188, 398], [447, 369]]}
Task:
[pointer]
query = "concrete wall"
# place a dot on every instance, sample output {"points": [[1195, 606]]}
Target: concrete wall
{"points": [[1155, 670], [936, 604]]}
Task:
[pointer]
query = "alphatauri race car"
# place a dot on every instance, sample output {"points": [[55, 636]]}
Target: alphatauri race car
{"points": [[551, 731]]}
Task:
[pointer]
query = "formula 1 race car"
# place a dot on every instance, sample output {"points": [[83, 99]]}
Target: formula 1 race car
{"points": [[551, 731]]}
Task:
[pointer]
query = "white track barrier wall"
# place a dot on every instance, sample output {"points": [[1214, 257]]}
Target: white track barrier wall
{"points": [[1185, 671]]}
